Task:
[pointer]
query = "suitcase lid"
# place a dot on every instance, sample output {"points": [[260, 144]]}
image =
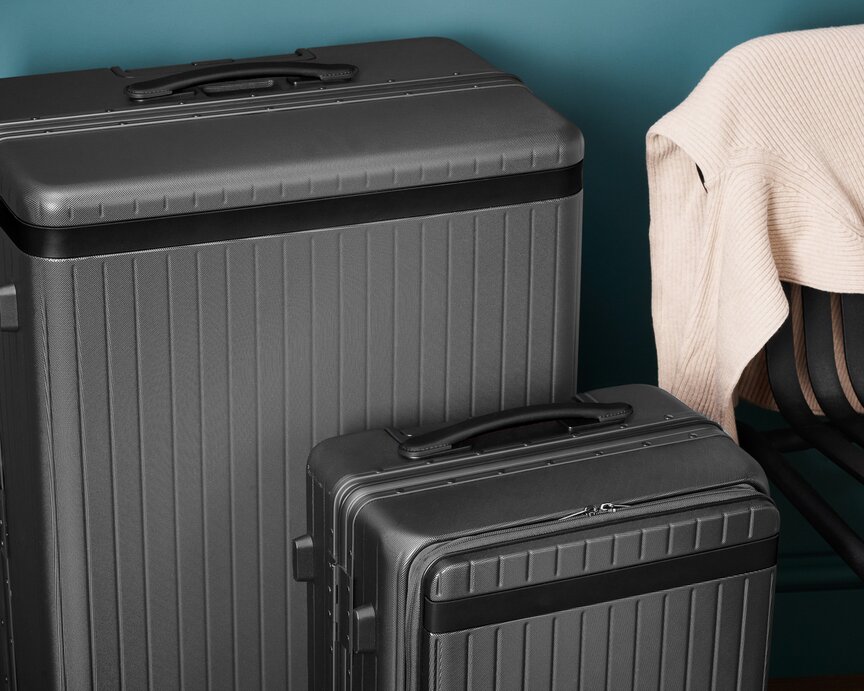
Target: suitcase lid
{"points": [[76, 152], [643, 533], [347, 459], [663, 449]]}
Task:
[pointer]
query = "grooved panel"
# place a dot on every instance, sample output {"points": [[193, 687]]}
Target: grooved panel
{"points": [[713, 635], [552, 559], [159, 408]]}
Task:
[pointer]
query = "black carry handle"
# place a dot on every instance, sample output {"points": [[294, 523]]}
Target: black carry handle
{"points": [[441, 440], [165, 86]]}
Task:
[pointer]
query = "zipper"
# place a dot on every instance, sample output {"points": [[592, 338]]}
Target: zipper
{"points": [[594, 510], [365, 486], [581, 519], [350, 494]]}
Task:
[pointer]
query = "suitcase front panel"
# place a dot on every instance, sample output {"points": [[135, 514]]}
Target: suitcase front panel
{"points": [[447, 530], [711, 633], [169, 399]]}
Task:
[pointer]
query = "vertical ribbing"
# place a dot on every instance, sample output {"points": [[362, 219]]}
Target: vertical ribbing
{"points": [[190, 435], [146, 570], [52, 463], [199, 313], [742, 634], [529, 322], [496, 680], [664, 616], [229, 383], [553, 363], [286, 475], [610, 649], [448, 319], [421, 360], [718, 621], [691, 631], [367, 359], [503, 344], [112, 455], [469, 662], [340, 347], [472, 396], [259, 435], [172, 432], [82, 451], [581, 664], [394, 322], [637, 639]]}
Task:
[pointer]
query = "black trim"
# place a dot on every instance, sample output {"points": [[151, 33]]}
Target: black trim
{"points": [[556, 596], [276, 219]]}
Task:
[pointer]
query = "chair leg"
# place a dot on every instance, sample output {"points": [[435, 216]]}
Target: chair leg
{"points": [[828, 523]]}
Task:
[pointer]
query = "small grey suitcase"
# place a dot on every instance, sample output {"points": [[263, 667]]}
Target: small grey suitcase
{"points": [[205, 270], [605, 545]]}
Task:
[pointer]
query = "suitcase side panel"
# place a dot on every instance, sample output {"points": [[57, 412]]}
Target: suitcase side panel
{"points": [[32, 544], [182, 392]]}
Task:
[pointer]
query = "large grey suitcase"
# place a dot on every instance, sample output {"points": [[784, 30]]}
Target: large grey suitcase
{"points": [[530, 550], [199, 281]]}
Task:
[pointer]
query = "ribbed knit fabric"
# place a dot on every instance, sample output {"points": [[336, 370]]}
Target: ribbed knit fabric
{"points": [[776, 129]]}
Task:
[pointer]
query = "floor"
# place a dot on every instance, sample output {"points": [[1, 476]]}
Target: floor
{"points": [[818, 684]]}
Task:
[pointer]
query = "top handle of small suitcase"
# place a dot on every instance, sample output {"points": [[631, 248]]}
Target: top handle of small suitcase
{"points": [[165, 86], [441, 440]]}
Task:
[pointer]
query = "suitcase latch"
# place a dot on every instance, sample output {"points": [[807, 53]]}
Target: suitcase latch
{"points": [[8, 308], [363, 629]]}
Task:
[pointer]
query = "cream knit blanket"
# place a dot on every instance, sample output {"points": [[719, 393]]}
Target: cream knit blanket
{"points": [[756, 178]]}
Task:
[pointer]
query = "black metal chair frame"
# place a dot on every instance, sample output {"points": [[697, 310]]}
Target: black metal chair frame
{"points": [[838, 435]]}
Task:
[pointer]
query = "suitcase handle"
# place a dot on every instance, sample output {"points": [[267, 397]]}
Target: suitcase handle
{"points": [[165, 86], [440, 440]]}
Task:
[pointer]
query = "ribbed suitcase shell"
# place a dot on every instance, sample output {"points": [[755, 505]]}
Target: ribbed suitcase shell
{"points": [[391, 534], [159, 402], [712, 634]]}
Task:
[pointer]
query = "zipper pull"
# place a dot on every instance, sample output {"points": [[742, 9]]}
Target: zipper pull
{"points": [[595, 510], [612, 508]]}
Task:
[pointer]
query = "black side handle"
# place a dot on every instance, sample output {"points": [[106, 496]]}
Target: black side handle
{"points": [[303, 558], [438, 441], [165, 86]]}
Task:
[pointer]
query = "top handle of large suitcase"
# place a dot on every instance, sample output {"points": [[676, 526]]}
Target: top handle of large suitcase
{"points": [[441, 440], [165, 86]]}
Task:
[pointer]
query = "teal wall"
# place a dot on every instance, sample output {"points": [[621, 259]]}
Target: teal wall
{"points": [[612, 66]]}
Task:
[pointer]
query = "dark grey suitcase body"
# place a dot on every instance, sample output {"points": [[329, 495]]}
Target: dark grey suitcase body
{"points": [[634, 554], [196, 288]]}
